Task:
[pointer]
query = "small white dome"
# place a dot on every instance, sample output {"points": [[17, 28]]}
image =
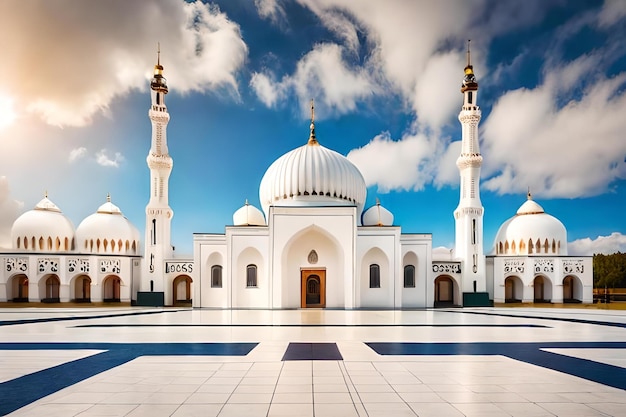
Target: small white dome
{"points": [[312, 175], [531, 232], [107, 231], [43, 228], [248, 215], [377, 215]]}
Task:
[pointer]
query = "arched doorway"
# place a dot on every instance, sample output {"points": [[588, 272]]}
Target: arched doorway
{"points": [[513, 289], [82, 289], [52, 290], [572, 291], [111, 287], [444, 292], [181, 291], [313, 288], [19, 289], [542, 290]]}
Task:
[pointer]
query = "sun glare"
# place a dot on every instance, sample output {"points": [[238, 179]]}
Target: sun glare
{"points": [[7, 113]]}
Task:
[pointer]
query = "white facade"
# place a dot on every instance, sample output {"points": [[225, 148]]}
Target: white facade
{"points": [[313, 245]]}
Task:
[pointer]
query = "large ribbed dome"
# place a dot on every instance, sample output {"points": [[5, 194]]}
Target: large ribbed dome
{"points": [[43, 228], [107, 231], [312, 175], [531, 232]]}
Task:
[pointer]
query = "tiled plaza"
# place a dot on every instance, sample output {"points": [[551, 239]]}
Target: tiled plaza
{"points": [[184, 362]]}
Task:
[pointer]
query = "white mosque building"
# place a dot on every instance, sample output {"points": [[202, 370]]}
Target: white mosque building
{"points": [[312, 246]]}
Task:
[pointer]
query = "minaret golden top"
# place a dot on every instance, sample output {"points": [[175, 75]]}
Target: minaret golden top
{"points": [[159, 83], [312, 139], [469, 81]]}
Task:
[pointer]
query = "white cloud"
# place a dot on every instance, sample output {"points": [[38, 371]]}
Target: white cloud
{"points": [[9, 211], [67, 60], [102, 158], [612, 12], [266, 89], [270, 9], [390, 164], [569, 151], [615, 242], [77, 153], [323, 75]]}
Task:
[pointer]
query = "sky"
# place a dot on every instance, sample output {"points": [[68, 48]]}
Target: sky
{"points": [[385, 77]]}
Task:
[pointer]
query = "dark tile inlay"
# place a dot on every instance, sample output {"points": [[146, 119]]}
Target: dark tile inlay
{"points": [[533, 353], [18, 392], [312, 352]]}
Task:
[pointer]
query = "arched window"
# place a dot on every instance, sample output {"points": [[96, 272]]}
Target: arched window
{"points": [[374, 276], [216, 276], [553, 246], [251, 278], [513, 251], [409, 276], [506, 247]]}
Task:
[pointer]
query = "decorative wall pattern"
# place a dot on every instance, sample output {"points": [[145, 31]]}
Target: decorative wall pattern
{"points": [[515, 266], [78, 265], [16, 265], [48, 265]]}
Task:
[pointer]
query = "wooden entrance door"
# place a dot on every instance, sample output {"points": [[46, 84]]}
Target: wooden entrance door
{"points": [[313, 288]]}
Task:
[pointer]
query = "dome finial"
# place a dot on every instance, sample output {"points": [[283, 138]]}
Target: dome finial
{"points": [[312, 139], [469, 63], [159, 53], [246, 203], [529, 195], [45, 194], [108, 197]]}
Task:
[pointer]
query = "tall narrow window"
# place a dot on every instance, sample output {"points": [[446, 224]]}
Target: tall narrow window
{"points": [[469, 97], [409, 276], [374, 276], [473, 231], [251, 276], [216, 276], [154, 231]]}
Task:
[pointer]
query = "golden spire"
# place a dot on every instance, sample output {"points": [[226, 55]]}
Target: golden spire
{"points": [[468, 68], [312, 139]]}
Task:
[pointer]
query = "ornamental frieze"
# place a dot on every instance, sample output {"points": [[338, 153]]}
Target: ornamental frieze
{"points": [[447, 267], [515, 266], [110, 266], [544, 265], [48, 265], [16, 264], [573, 266], [78, 265]]}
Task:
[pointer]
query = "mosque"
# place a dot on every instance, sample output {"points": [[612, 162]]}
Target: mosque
{"points": [[312, 246]]}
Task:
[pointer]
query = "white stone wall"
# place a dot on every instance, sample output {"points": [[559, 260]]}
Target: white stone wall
{"points": [[294, 232]]}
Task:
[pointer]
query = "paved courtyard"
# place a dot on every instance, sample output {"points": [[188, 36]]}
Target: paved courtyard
{"points": [[184, 362]]}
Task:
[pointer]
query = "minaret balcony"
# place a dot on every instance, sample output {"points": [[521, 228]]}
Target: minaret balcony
{"points": [[159, 161]]}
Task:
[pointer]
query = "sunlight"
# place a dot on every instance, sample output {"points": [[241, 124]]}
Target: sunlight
{"points": [[7, 112]]}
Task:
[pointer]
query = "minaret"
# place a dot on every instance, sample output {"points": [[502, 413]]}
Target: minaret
{"points": [[159, 215], [469, 214]]}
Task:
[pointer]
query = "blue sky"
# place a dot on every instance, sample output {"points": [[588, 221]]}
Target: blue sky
{"points": [[385, 77]]}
